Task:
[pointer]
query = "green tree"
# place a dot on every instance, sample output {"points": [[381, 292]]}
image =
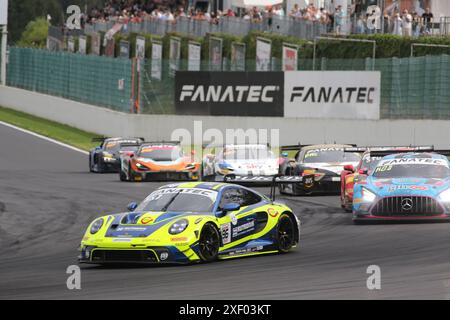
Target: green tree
{"points": [[35, 34]]}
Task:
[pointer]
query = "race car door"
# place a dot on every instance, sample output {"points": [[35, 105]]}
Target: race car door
{"points": [[236, 227]]}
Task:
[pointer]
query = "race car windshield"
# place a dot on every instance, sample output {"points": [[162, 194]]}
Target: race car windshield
{"points": [[178, 202], [369, 163], [247, 154], [330, 155], [161, 154], [412, 170]]}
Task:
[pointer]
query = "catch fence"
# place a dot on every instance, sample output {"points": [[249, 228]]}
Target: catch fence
{"points": [[414, 87]]}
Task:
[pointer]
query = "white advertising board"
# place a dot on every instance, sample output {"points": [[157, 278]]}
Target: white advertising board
{"points": [[332, 94]]}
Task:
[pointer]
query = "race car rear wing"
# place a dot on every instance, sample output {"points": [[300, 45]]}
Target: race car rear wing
{"points": [[274, 180], [390, 149], [382, 153], [298, 147], [130, 144], [443, 152], [174, 142], [101, 139]]}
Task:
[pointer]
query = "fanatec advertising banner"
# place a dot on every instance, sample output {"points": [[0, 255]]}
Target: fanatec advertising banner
{"points": [[229, 93], [332, 94], [293, 94]]}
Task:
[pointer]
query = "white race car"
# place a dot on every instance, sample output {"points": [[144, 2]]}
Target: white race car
{"points": [[247, 162]]}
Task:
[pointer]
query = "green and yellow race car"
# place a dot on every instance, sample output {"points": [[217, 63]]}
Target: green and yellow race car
{"points": [[192, 222]]}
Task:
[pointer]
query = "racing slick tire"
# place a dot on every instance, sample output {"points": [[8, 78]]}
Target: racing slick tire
{"points": [[90, 164], [123, 176], [209, 243], [285, 233]]}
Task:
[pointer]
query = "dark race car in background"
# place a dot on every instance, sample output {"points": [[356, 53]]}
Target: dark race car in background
{"points": [[320, 164], [106, 156], [159, 161], [405, 186]]}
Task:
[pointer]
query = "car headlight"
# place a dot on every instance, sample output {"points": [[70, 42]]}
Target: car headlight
{"points": [[179, 226], [190, 166], [141, 166], [368, 196], [225, 166], [107, 155], [445, 196], [96, 226]]}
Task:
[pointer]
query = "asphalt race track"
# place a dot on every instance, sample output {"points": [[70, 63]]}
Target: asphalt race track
{"points": [[48, 197]]}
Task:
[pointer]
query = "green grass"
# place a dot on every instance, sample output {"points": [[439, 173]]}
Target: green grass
{"points": [[61, 132]]}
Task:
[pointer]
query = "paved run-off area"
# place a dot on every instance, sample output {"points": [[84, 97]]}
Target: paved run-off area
{"points": [[48, 197]]}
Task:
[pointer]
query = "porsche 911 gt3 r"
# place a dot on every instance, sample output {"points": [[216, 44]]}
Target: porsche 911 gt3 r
{"points": [[192, 222], [322, 163], [247, 160], [406, 186]]}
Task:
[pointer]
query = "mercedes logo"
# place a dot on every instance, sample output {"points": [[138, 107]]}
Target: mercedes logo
{"points": [[407, 204]]}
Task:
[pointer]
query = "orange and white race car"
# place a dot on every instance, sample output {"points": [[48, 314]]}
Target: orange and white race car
{"points": [[159, 161]]}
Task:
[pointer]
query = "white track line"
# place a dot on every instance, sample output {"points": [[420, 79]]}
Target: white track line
{"points": [[44, 137]]}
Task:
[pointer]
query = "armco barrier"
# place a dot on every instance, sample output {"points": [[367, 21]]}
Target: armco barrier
{"points": [[154, 127]]}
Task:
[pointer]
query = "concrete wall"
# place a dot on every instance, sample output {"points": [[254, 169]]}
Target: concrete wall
{"points": [[155, 127]]}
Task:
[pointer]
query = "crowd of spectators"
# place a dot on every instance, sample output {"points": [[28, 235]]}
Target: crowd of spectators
{"points": [[336, 18]]}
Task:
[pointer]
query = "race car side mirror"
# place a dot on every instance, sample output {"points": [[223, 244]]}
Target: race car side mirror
{"points": [[232, 206], [363, 171], [349, 167], [284, 155], [132, 206], [132, 155]]}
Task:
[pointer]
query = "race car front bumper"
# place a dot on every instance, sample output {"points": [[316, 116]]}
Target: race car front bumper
{"points": [[390, 209], [147, 255], [358, 217], [166, 176]]}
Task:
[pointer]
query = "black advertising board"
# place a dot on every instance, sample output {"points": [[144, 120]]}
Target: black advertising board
{"points": [[229, 93]]}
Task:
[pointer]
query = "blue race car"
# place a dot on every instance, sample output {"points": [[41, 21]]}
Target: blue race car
{"points": [[405, 186], [106, 156]]}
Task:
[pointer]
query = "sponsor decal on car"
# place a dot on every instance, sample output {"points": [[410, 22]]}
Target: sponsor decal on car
{"points": [[272, 212], [243, 229], [406, 187], [402, 161], [226, 234], [146, 220]]}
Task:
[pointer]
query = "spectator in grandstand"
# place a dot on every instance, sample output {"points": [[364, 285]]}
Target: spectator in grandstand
{"points": [[387, 24], [278, 11], [256, 15], [295, 11], [407, 24], [416, 21], [397, 25], [361, 25], [230, 13], [338, 19], [427, 17]]}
